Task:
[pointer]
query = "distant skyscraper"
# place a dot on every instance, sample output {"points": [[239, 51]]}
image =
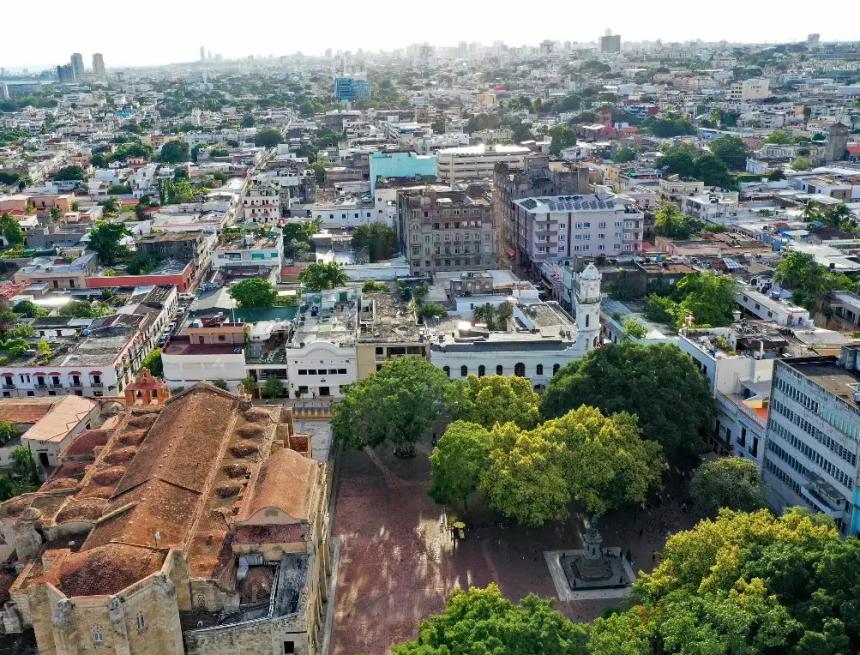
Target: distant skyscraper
{"points": [[609, 43], [66, 74], [202, 53], [78, 66], [210, 55], [813, 40], [4, 91], [98, 65], [328, 53]]}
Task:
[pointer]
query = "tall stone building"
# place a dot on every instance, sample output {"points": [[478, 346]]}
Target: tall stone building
{"points": [[441, 229], [837, 142], [539, 177], [193, 524]]}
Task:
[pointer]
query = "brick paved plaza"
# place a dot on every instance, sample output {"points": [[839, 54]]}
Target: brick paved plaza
{"points": [[398, 565]]}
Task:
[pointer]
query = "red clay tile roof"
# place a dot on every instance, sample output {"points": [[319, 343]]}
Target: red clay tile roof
{"points": [[284, 482], [182, 446], [85, 443], [27, 410], [86, 509], [106, 570]]}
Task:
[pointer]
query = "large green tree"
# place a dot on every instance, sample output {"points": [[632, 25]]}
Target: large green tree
{"points": [[379, 240], [657, 383], [11, 230], [254, 292], [731, 483], [317, 277], [154, 362], [495, 399], [68, 173], [174, 152], [600, 461], [459, 458], [105, 240], [268, 138], [395, 404], [731, 150], [483, 622], [807, 279]]}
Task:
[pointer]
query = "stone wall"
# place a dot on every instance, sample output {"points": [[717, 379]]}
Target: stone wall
{"points": [[263, 637]]}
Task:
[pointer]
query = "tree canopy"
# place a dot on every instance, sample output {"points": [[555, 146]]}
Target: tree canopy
{"points": [[532, 475], [807, 279], [268, 138], [395, 404], [624, 155], [105, 240], [174, 152], [318, 277], [657, 383], [731, 483], [68, 173], [496, 399], [458, 460], [11, 230], [379, 240], [741, 584], [254, 292], [731, 150], [153, 362], [670, 222], [482, 621], [707, 297]]}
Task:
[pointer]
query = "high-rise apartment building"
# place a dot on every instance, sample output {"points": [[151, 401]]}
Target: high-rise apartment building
{"points": [[66, 74], [609, 43], [202, 53], [78, 66], [548, 227], [447, 230], [813, 432], [98, 65]]}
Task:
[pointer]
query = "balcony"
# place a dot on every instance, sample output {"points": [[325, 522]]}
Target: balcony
{"points": [[97, 385], [8, 386], [76, 384], [41, 385]]}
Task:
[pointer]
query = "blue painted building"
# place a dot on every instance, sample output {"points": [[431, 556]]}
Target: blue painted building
{"points": [[347, 89], [400, 165]]}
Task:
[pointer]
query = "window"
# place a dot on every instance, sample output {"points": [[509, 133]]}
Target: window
{"points": [[141, 622], [312, 371], [586, 320], [98, 636], [520, 369], [500, 370], [341, 371], [539, 369], [555, 368], [303, 371], [289, 647], [482, 371], [447, 370], [464, 371]]}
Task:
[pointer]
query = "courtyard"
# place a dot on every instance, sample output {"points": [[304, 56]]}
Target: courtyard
{"points": [[398, 564]]}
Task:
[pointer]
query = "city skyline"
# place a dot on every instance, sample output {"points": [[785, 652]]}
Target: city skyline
{"points": [[447, 25]]}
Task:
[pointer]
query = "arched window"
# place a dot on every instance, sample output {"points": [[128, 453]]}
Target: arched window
{"points": [[520, 369], [464, 371], [586, 320], [555, 368], [482, 371], [595, 342], [141, 622], [539, 369], [447, 370], [201, 601], [500, 370], [98, 637]]}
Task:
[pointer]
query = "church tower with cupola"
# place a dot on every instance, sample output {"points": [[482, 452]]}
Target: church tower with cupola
{"points": [[588, 308]]}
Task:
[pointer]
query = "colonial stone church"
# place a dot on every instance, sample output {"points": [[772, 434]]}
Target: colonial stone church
{"points": [[188, 524]]}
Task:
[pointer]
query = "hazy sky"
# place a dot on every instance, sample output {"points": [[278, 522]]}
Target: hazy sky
{"points": [[162, 31]]}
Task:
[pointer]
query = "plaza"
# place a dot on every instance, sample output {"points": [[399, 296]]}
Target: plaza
{"points": [[398, 563]]}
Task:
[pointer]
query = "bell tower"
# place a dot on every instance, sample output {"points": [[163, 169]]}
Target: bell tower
{"points": [[588, 309]]}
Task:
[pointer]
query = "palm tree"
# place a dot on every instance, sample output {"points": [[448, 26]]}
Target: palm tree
{"points": [[839, 217], [666, 219], [811, 212]]}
